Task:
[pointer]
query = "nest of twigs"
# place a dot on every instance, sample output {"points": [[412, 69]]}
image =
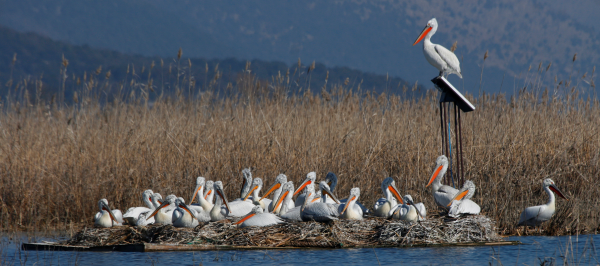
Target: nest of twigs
{"points": [[342, 233]]}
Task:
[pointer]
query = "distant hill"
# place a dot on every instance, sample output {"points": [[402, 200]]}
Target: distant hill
{"points": [[372, 36], [41, 57]]}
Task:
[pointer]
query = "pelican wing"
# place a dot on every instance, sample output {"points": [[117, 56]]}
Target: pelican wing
{"points": [[262, 219], [240, 208], [382, 207], [363, 209], [133, 213], [320, 212], [292, 214], [535, 215], [450, 59], [444, 195], [465, 206]]}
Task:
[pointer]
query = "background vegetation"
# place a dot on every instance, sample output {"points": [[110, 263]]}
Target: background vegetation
{"points": [[57, 160]]}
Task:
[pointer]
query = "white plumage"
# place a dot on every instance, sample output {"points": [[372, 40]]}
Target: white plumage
{"points": [[442, 194], [536, 215], [105, 217], [133, 213], [350, 210], [383, 206], [438, 56], [308, 182], [319, 211], [462, 203], [258, 218]]}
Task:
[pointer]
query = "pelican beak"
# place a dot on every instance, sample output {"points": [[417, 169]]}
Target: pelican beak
{"points": [[185, 207], [393, 189], [162, 205], [280, 200], [426, 30], [328, 192], [347, 203], [435, 174], [222, 195], [329, 183], [410, 202], [458, 196], [160, 201], [195, 193], [305, 202], [250, 192], [106, 208], [207, 194], [306, 182], [557, 191], [245, 218], [273, 188]]}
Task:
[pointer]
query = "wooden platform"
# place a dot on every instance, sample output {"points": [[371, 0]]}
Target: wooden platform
{"points": [[148, 247]]}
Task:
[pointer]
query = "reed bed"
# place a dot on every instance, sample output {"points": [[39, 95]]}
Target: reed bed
{"points": [[57, 160]]}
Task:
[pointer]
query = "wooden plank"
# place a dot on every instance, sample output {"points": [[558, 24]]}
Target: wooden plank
{"points": [[149, 247]]}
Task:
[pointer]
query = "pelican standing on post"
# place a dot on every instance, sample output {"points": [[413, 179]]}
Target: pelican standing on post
{"points": [[438, 56], [536, 215], [442, 194], [462, 203], [384, 205]]}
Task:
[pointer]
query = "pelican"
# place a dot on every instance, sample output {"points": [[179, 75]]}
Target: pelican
{"points": [[462, 203], [256, 217], [133, 213], [203, 204], [277, 189], [257, 185], [350, 210], [284, 203], [536, 215], [105, 217], [332, 181], [183, 216], [218, 213], [442, 194], [438, 56], [164, 212], [209, 195], [308, 182], [320, 211], [384, 205], [408, 211], [246, 184]]}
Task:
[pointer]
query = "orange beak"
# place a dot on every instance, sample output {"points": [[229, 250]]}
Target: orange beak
{"points": [[224, 200], [280, 200], [458, 196], [195, 193], [557, 191], [273, 188], [245, 218], [393, 189], [435, 174], [426, 30], [307, 182], [208, 193], [347, 203], [250, 192]]}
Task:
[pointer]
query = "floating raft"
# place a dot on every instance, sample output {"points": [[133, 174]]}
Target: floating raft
{"points": [[371, 232]]}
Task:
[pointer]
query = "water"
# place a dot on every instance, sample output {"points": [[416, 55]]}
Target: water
{"points": [[534, 251]]}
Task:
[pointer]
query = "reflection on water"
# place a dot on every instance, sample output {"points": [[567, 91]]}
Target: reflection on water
{"points": [[534, 251]]}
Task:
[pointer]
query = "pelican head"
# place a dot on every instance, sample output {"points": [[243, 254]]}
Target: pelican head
{"points": [[331, 180], [199, 185], [247, 180], [147, 196], [466, 192], [257, 184], [310, 195], [103, 205], [218, 186], [326, 191], [430, 29], [209, 189], [168, 201], [390, 184], [310, 179], [441, 165], [409, 201], [157, 200], [286, 189], [180, 203], [354, 195], [550, 184], [255, 210], [279, 181]]}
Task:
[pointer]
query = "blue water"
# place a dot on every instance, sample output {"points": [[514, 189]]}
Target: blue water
{"points": [[535, 250]]}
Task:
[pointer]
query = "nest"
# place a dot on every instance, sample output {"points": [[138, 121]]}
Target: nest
{"points": [[342, 233]]}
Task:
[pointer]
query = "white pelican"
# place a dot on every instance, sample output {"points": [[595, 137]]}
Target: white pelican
{"points": [[218, 213], [246, 184], [276, 189], [408, 211], [438, 56], [284, 203], [164, 212], [209, 194], [133, 213], [183, 216], [257, 217], [105, 217], [257, 185], [536, 215], [332, 181], [319, 211], [384, 205], [203, 204], [462, 203], [350, 210], [308, 182], [442, 194]]}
